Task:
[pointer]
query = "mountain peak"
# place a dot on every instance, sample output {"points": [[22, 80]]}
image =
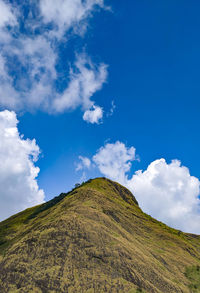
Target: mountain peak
{"points": [[95, 239], [106, 185]]}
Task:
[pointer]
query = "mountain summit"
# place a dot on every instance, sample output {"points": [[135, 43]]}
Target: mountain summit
{"points": [[95, 239]]}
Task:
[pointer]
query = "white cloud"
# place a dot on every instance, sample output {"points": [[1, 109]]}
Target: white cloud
{"points": [[65, 14], [84, 163], [112, 109], [165, 191], [9, 98], [93, 115], [85, 80], [114, 160], [169, 193], [33, 88], [6, 15], [18, 185], [28, 61], [40, 59]]}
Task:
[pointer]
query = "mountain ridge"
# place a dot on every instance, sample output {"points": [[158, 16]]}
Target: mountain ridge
{"points": [[95, 238]]}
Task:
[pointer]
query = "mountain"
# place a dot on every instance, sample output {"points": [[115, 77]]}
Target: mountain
{"points": [[95, 239]]}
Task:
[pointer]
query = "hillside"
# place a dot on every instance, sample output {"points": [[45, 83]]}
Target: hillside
{"points": [[95, 239]]}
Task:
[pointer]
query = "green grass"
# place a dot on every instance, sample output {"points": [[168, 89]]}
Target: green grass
{"points": [[97, 238], [193, 275], [11, 227]]}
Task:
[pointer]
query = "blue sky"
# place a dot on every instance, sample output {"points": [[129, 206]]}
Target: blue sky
{"points": [[153, 53], [145, 60]]}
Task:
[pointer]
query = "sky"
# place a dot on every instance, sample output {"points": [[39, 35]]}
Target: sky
{"points": [[101, 88]]}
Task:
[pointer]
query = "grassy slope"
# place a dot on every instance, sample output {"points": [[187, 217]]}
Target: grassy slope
{"points": [[95, 239]]}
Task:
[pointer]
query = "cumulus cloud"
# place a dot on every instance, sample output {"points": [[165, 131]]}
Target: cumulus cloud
{"points": [[169, 193], [18, 173], [114, 160], [164, 190], [93, 115], [29, 59]]}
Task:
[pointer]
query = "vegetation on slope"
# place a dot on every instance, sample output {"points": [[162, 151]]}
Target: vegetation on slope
{"points": [[95, 239], [193, 274]]}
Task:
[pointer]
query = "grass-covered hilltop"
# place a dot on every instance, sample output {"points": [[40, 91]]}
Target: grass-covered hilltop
{"points": [[95, 239]]}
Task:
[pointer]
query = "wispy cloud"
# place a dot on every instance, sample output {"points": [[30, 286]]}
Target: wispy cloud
{"points": [[84, 163], [68, 14], [112, 109], [29, 56], [6, 15], [85, 80]]}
